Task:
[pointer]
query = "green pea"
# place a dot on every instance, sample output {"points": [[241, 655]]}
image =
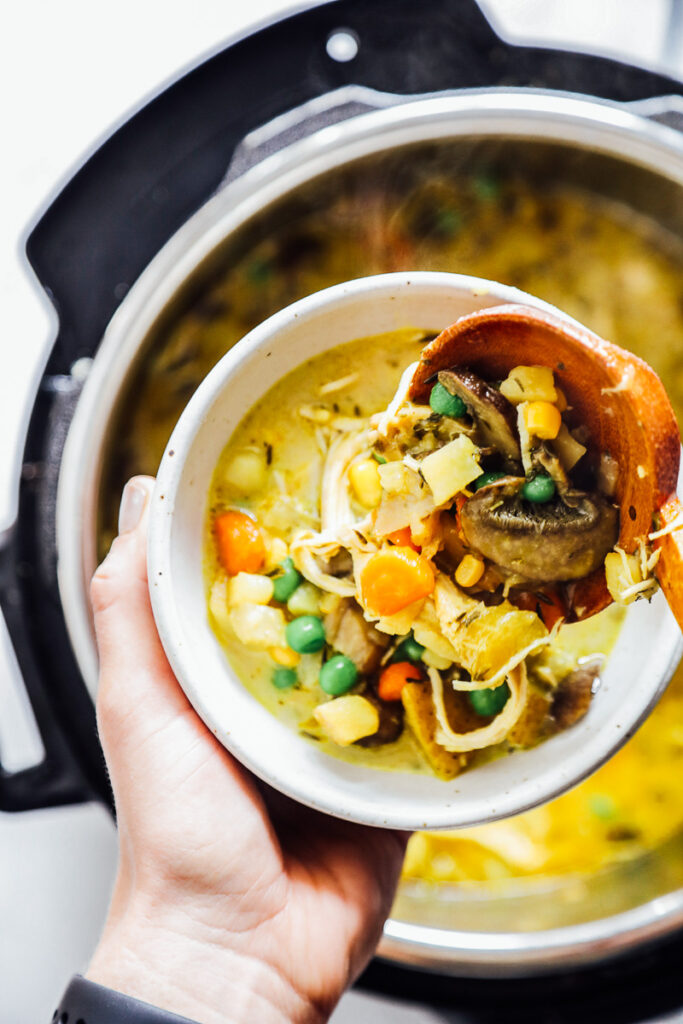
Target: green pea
{"points": [[448, 223], [446, 404], [285, 584], [259, 271], [491, 700], [306, 635], [602, 806], [487, 478], [486, 187], [338, 675], [539, 489], [284, 678], [408, 650]]}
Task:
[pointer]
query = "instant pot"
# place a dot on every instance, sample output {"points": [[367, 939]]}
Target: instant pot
{"points": [[129, 242]]}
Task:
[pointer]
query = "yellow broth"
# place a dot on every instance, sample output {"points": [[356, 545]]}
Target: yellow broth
{"points": [[289, 498], [614, 270]]}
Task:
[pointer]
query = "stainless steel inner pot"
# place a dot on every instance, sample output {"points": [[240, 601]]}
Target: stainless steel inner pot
{"points": [[535, 925]]}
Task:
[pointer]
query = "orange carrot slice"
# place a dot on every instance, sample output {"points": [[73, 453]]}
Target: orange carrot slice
{"points": [[394, 677], [240, 542], [395, 578]]}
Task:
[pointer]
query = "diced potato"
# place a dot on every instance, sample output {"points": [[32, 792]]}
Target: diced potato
{"points": [[247, 471], [308, 670], [421, 718], [451, 468], [529, 384], [347, 719], [625, 580], [433, 640], [567, 448], [329, 603], [395, 477], [365, 481], [218, 603], [250, 587], [258, 625], [305, 600]]}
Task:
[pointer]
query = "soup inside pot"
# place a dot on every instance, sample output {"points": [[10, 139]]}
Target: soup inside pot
{"points": [[561, 225]]}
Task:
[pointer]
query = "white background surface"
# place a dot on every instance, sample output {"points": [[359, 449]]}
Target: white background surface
{"points": [[69, 71]]}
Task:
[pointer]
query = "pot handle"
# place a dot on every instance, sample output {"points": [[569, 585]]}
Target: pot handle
{"points": [[56, 778], [666, 110], [156, 170], [146, 180]]}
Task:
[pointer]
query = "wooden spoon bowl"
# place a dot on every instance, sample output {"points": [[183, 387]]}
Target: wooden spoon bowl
{"points": [[613, 395]]}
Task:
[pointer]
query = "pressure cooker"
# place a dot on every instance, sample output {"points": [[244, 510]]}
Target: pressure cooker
{"points": [[134, 237]]}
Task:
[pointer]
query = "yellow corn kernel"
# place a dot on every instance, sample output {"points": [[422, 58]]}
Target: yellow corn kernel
{"points": [[470, 571], [276, 552], [561, 400], [285, 656], [365, 481], [329, 603], [542, 419]]}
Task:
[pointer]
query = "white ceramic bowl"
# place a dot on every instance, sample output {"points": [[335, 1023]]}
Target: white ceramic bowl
{"points": [[648, 649]]}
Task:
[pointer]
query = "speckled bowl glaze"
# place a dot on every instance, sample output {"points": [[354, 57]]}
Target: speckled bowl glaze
{"points": [[642, 662]]}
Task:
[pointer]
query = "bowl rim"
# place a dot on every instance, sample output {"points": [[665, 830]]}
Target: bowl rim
{"points": [[528, 793]]}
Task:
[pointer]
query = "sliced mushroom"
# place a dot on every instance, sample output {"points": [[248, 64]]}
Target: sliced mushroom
{"points": [[494, 417], [544, 542], [573, 696], [544, 458], [537, 456]]}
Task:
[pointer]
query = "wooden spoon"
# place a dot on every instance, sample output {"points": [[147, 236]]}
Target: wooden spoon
{"points": [[614, 394]]}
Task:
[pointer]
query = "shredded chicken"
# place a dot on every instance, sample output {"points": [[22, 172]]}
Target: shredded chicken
{"points": [[397, 401], [310, 553], [335, 503], [675, 524], [488, 735], [338, 385]]}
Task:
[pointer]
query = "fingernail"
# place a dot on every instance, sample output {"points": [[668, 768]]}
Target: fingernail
{"points": [[133, 501]]}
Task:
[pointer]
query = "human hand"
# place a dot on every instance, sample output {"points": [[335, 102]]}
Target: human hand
{"points": [[231, 903]]}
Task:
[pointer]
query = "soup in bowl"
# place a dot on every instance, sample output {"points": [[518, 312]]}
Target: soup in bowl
{"points": [[280, 731]]}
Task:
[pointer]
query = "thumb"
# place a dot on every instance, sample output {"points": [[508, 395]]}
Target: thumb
{"points": [[137, 686]]}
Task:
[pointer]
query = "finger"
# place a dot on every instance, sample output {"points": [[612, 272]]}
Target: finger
{"points": [[134, 671]]}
